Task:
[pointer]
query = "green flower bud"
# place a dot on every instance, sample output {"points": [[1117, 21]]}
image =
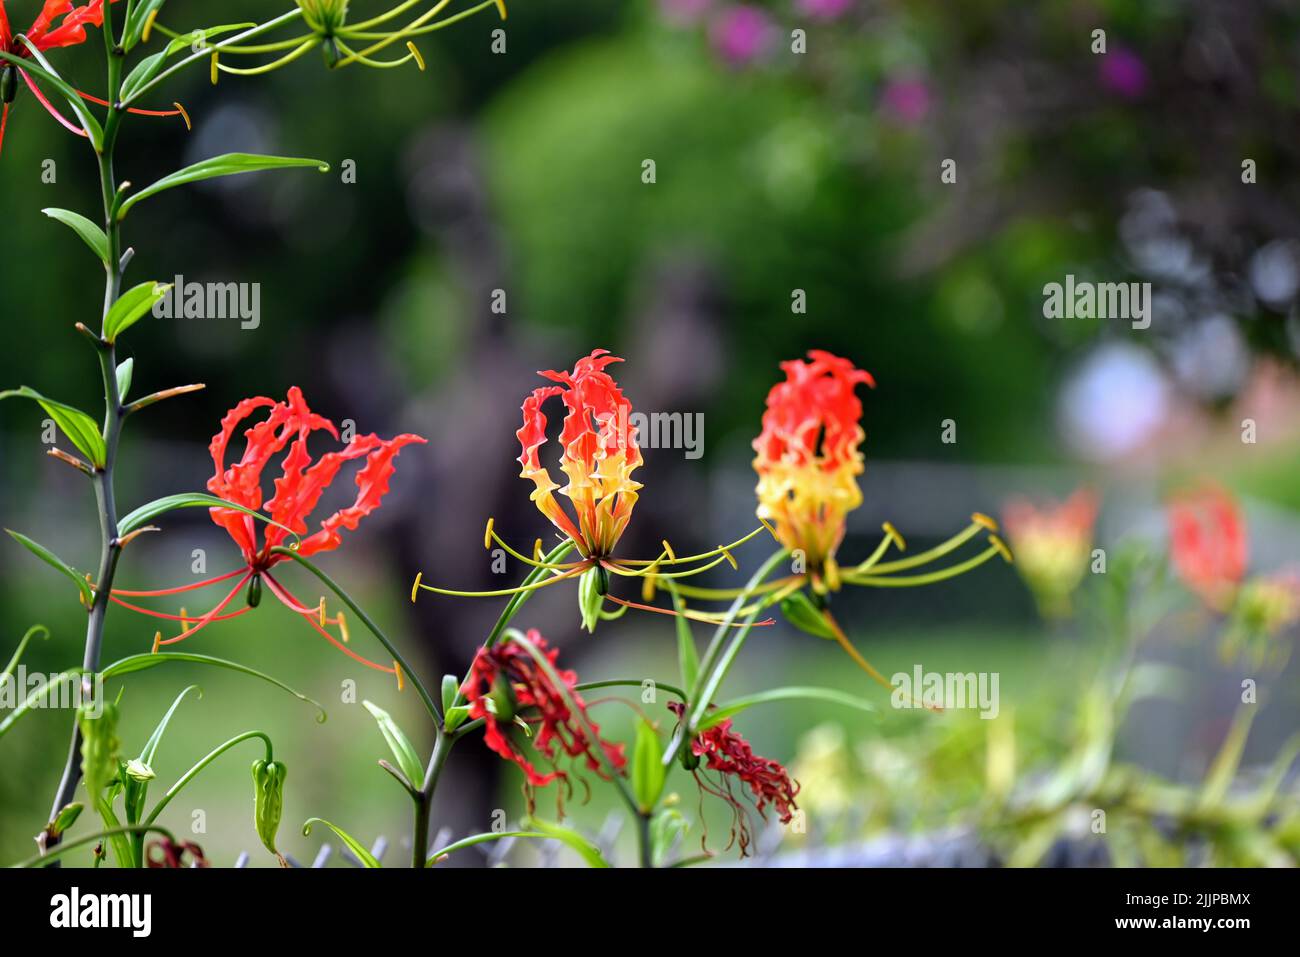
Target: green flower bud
{"points": [[137, 770], [64, 819], [99, 746], [268, 801], [324, 16], [8, 83], [592, 588]]}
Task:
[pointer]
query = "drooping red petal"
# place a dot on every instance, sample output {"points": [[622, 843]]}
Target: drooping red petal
{"points": [[4, 121], [49, 107], [6, 34], [71, 30]]}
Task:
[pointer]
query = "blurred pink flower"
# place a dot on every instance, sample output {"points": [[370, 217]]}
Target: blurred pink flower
{"points": [[742, 34], [907, 99], [1123, 73], [684, 12], [823, 9]]}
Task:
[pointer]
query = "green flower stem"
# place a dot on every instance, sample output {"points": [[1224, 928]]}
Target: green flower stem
{"points": [[630, 683], [193, 772], [43, 859], [105, 500], [424, 803], [712, 671], [374, 629]]}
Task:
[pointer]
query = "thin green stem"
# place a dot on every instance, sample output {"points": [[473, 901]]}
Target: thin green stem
{"points": [[193, 772]]}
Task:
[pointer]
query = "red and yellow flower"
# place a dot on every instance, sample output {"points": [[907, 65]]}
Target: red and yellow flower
{"points": [[1053, 542], [598, 454], [1207, 539], [45, 35], [284, 431]]}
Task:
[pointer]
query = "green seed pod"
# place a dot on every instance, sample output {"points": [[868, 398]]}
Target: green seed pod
{"points": [[255, 591], [99, 746], [268, 800], [8, 83]]}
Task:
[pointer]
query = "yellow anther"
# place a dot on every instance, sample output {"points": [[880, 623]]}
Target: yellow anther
{"points": [[979, 518], [343, 628], [185, 621], [727, 555], [320, 611], [216, 69], [1001, 546], [157, 642], [894, 536], [416, 586], [401, 682], [832, 570], [648, 587], [185, 116], [768, 525], [672, 556], [419, 60], [487, 533], [501, 8], [148, 24], [537, 550]]}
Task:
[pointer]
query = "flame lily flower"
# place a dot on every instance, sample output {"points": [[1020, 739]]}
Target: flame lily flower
{"points": [[45, 35], [517, 683], [599, 453], [1052, 543], [328, 28], [808, 462], [1207, 539], [723, 750], [299, 488]]}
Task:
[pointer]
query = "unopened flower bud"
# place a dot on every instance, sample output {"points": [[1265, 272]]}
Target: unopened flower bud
{"points": [[268, 801], [137, 770], [99, 746]]}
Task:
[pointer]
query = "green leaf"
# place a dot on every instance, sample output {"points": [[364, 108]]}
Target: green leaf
{"points": [[803, 614], [455, 717], [439, 855], [363, 855], [152, 65], [647, 770], [732, 708], [228, 164], [571, 838], [46, 73], [135, 22], [134, 663], [47, 556], [80, 428], [131, 307], [688, 658], [90, 233], [398, 743], [22, 646], [168, 503], [124, 372]]}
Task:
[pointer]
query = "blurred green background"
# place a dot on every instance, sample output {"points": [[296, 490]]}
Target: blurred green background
{"points": [[775, 171]]}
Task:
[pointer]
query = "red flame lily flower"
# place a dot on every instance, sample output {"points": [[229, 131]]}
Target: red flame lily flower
{"points": [[1053, 542], [725, 751], [44, 35], [507, 684], [1208, 544], [299, 488]]}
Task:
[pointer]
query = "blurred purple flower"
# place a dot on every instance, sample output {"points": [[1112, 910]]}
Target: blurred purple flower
{"points": [[823, 9], [742, 34], [1123, 73], [684, 12], [907, 99]]}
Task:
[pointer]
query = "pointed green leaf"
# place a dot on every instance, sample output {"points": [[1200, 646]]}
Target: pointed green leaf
{"points": [[398, 743], [647, 770], [131, 307], [688, 658], [228, 164], [168, 503], [357, 848], [37, 696], [134, 663], [585, 849], [803, 614], [22, 646], [54, 561], [80, 428], [140, 14], [732, 708], [450, 689], [124, 372], [47, 73], [90, 232]]}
